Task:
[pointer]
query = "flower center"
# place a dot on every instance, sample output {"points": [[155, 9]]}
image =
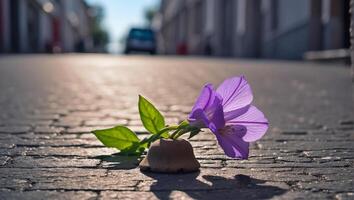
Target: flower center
{"points": [[232, 129], [209, 113], [227, 130]]}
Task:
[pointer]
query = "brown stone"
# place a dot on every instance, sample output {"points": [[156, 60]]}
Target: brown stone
{"points": [[170, 156]]}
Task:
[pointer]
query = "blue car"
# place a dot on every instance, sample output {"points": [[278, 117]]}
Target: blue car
{"points": [[140, 40]]}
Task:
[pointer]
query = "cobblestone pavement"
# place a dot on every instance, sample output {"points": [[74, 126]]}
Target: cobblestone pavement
{"points": [[49, 104]]}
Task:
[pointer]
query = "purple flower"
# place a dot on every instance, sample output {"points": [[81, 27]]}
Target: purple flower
{"points": [[228, 113]]}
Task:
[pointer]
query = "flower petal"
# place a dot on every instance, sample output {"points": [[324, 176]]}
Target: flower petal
{"points": [[235, 113], [236, 93], [215, 115], [198, 119], [207, 109], [232, 143], [205, 99], [218, 116], [255, 123]]}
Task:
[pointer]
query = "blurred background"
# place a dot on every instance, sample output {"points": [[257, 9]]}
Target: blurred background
{"points": [[272, 29]]}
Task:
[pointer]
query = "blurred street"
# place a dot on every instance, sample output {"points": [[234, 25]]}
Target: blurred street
{"points": [[49, 104]]}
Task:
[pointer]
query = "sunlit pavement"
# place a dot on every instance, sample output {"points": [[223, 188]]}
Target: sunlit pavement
{"points": [[49, 104]]}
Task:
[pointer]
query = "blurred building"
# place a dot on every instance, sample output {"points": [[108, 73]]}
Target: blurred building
{"points": [[34, 26], [352, 37], [284, 29]]}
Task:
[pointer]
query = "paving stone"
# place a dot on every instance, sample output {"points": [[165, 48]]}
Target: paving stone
{"points": [[26, 122], [48, 136], [294, 159], [5, 144], [68, 123], [308, 145], [12, 151], [4, 160], [303, 195], [332, 174], [68, 151], [43, 116], [14, 129], [48, 152], [346, 122], [28, 195], [54, 141], [106, 122], [288, 164], [345, 196], [333, 186], [51, 162], [259, 193], [85, 184], [107, 195], [88, 136], [326, 154], [11, 183], [85, 113], [135, 122], [47, 129], [84, 129], [211, 163]]}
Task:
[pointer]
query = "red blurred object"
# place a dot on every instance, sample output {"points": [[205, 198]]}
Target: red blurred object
{"points": [[56, 35], [182, 49]]}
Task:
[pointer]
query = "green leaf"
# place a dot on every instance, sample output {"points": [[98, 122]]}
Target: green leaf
{"points": [[119, 137], [135, 149], [194, 132], [152, 119]]}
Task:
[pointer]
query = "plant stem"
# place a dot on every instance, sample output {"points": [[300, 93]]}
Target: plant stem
{"points": [[156, 136], [168, 128], [182, 127], [173, 135], [178, 131]]}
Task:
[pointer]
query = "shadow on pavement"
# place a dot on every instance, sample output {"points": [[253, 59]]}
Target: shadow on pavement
{"points": [[239, 187], [118, 161]]}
